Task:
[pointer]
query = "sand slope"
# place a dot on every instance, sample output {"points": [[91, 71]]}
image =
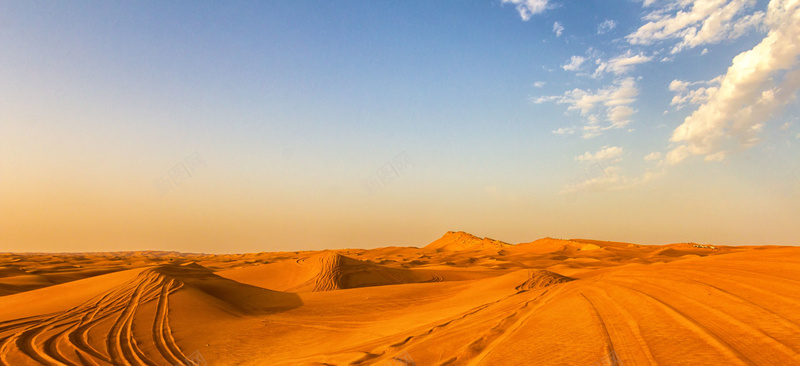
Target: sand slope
{"points": [[461, 241], [458, 302], [326, 271], [127, 323]]}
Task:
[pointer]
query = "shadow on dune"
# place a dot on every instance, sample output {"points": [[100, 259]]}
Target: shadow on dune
{"points": [[242, 299], [102, 329]]}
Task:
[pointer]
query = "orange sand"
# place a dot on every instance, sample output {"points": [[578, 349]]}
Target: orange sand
{"points": [[461, 300]]}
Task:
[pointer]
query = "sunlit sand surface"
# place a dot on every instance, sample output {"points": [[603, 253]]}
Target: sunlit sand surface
{"points": [[461, 300]]}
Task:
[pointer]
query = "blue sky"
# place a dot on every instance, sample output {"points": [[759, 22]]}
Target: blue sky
{"points": [[374, 123]]}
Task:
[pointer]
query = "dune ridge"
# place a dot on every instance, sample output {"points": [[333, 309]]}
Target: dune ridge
{"points": [[460, 241], [542, 278]]}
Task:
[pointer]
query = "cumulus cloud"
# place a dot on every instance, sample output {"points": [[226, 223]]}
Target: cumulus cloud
{"points": [[606, 108], [528, 8], [607, 153], [539, 84], [558, 29], [757, 83], [574, 63], [695, 23], [621, 64], [620, 114], [606, 26]]}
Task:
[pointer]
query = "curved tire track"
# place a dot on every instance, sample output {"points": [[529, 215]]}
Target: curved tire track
{"points": [[64, 338]]}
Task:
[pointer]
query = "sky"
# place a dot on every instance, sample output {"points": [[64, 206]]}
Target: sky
{"points": [[225, 127]]}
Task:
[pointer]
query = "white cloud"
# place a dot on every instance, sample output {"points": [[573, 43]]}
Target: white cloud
{"points": [[620, 115], [678, 85], [785, 126], [677, 155], [621, 64], [610, 153], [606, 26], [592, 129], [653, 156], [564, 131], [705, 51], [539, 84], [695, 23], [574, 63], [685, 96], [601, 171], [612, 101], [599, 176], [546, 99], [757, 83], [558, 29], [798, 136], [596, 177], [528, 8]]}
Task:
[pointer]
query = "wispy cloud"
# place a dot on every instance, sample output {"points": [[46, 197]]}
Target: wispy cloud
{"points": [[695, 23], [621, 64], [652, 156], [558, 29], [607, 153], [574, 63], [758, 82], [606, 108], [528, 8], [606, 26], [602, 171], [685, 95], [599, 176], [596, 177], [564, 131]]}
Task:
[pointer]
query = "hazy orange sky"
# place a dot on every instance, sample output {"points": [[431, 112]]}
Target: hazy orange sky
{"points": [[205, 127]]}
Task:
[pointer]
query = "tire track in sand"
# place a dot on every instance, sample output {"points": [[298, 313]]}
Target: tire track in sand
{"points": [[64, 338], [726, 350]]}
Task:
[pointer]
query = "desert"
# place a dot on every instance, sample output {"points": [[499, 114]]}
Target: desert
{"points": [[399, 183], [460, 300]]}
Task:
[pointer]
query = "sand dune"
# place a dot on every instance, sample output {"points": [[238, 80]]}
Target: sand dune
{"points": [[460, 241], [462, 300], [125, 323], [324, 272]]}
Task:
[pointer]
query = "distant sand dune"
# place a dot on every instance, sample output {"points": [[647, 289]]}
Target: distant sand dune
{"points": [[325, 272], [461, 241]]}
